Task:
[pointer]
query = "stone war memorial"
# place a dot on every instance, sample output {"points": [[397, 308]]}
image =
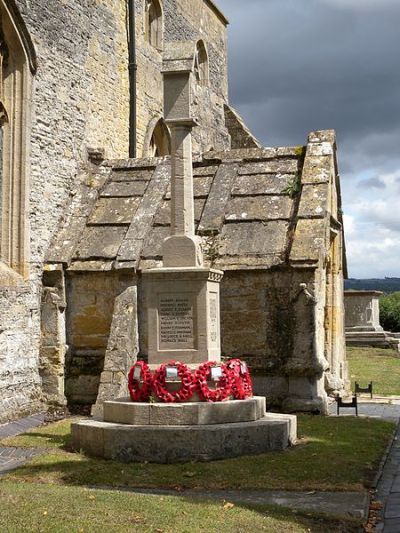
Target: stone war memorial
{"points": [[143, 224], [362, 321], [182, 303]]}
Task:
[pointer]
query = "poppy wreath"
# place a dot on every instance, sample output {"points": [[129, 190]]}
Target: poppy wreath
{"points": [[184, 393], [242, 387], [223, 391], [140, 393]]}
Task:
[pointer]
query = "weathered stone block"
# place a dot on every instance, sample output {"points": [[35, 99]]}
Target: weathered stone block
{"points": [[100, 241], [261, 184], [122, 349], [257, 238], [114, 211], [259, 208], [282, 166], [119, 413], [125, 189]]}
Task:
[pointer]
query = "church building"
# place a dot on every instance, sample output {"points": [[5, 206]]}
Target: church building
{"points": [[85, 206]]}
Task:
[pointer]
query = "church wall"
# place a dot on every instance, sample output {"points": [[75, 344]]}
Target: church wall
{"points": [[90, 305], [79, 99], [184, 21], [20, 387], [270, 321]]}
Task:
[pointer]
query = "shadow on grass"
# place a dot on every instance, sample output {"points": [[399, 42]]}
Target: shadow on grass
{"points": [[312, 521], [54, 441], [87, 472]]}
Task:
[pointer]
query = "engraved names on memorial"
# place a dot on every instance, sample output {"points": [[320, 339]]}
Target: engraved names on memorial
{"points": [[214, 318], [176, 321]]}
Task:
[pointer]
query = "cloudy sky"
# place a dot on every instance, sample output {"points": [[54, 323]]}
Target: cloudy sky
{"points": [[303, 65]]}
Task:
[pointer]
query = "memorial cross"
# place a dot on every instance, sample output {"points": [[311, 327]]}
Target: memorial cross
{"points": [[183, 247]]}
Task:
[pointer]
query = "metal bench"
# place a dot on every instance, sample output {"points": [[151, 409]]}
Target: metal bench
{"points": [[347, 405], [367, 390]]}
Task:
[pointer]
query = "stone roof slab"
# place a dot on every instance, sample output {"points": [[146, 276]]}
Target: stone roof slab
{"points": [[259, 208], [245, 199], [261, 184]]}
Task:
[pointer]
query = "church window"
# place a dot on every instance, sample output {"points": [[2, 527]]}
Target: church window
{"points": [[201, 63], [160, 142], [17, 63], [153, 23]]}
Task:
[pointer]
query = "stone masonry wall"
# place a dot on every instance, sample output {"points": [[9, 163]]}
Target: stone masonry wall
{"points": [[79, 99], [20, 391], [184, 20], [267, 320], [91, 298]]}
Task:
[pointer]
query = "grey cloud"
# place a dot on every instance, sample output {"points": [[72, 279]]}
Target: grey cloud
{"points": [[298, 65], [301, 65], [372, 183]]}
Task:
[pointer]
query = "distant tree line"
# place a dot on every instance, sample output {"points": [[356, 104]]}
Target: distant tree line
{"points": [[389, 307], [386, 285]]}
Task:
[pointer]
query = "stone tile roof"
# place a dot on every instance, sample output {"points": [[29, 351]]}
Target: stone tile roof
{"points": [[255, 208]]}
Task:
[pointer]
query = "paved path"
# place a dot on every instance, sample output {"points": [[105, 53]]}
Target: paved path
{"points": [[384, 410], [388, 490], [21, 426], [11, 458]]}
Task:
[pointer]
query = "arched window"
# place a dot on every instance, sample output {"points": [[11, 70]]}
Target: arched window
{"points": [[201, 63], [17, 63], [160, 141], [153, 23]]}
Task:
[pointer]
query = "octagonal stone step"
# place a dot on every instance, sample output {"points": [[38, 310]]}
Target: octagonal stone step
{"points": [[124, 411], [184, 443]]}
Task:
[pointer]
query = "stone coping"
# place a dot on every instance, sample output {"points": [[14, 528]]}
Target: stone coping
{"points": [[124, 411]]}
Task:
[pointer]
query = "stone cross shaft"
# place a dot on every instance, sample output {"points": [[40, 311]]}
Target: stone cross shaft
{"points": [[183, 247], [182, 204]]}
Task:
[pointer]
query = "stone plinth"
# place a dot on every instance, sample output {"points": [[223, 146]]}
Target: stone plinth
{"points": [[362, 310], [375, 339], [362, 321], [183, 314], [213, 431]]}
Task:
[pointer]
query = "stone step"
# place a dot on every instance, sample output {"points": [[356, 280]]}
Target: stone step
{"points": [[124, 411], [174, 444]]}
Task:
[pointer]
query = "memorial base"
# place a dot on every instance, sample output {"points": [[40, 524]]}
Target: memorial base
{"points": [[173, 433], [375, 339], [182, 314]]}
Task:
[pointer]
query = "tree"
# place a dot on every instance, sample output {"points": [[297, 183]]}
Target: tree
{"points": [[389, 306]]}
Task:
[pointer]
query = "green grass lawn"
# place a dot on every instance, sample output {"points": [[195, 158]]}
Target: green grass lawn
{"points": [[48, 508], [332, 454], [375, 364]]}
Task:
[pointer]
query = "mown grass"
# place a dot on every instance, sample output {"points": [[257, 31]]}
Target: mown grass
{"points": [[332, 454], [375, 364], [49, 508]]}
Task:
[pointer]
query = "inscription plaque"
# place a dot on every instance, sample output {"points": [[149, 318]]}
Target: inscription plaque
{"points": [[213, 318], [175, 314]]}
